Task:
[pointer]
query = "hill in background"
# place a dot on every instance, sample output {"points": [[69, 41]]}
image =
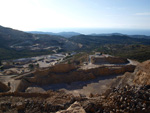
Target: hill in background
{"points": [[18, 44]]}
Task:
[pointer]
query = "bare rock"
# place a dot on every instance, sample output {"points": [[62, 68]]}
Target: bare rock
{"points": [[35, 90], [74, 108]]}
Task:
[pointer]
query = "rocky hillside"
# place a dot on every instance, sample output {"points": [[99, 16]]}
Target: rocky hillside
{"points": [[119, 100], [129, 94], [17, 44], [89, 42], [141, 76]]}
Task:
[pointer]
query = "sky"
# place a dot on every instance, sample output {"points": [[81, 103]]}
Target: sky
{"points": [[32, 15]]}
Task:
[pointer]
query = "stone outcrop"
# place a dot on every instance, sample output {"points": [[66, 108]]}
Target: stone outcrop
{"points": [[35, 90], [141, 76], [10, 72], [108, 60], [3, 87], [74, 108], [24, 84]]}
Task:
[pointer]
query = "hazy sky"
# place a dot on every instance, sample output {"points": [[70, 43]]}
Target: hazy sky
{"points": [[39, 14]]}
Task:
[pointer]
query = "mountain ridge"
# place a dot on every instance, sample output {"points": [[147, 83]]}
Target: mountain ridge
{"points": [[64, 34]]}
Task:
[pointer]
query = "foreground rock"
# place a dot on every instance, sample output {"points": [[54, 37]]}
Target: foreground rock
{"points": [[131, 94], [35, 102]]}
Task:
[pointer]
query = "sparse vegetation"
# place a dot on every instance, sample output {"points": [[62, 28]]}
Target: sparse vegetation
{"points": [[31, 66], [135, 51]]}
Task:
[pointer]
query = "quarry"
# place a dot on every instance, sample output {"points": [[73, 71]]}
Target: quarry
{"points": [[98, 85]]}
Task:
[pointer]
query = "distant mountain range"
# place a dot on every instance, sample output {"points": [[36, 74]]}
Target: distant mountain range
{"points": [[71, 34], [64, 34], [119, 34]]}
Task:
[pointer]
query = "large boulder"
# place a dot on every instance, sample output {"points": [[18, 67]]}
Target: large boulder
{"points": [[3, 87], [74, 108]]}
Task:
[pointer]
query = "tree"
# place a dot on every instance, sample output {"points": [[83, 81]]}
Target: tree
{"points": [[31, 66], [0, 63], [1, 68], [37, 65]]}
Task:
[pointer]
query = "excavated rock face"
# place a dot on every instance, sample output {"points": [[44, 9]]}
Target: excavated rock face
{"points": [[67, 73], [109, 60], [141, 76], [10, 72]]}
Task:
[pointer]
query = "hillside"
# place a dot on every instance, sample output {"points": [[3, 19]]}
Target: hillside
{"points": [[16, 44], [95, 41], [117, 45], [138, 52]]}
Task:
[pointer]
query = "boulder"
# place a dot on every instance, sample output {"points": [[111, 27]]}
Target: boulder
{"points": [[3, 87], [74, 108]]}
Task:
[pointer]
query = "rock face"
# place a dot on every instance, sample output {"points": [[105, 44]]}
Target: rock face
{"points": [[108, 60], [23, 85], [3, 87], [141, 76], [10, 72], [67, 73]]}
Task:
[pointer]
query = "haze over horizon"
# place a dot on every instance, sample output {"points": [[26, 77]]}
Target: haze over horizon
{"points": [[64, 15]]}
